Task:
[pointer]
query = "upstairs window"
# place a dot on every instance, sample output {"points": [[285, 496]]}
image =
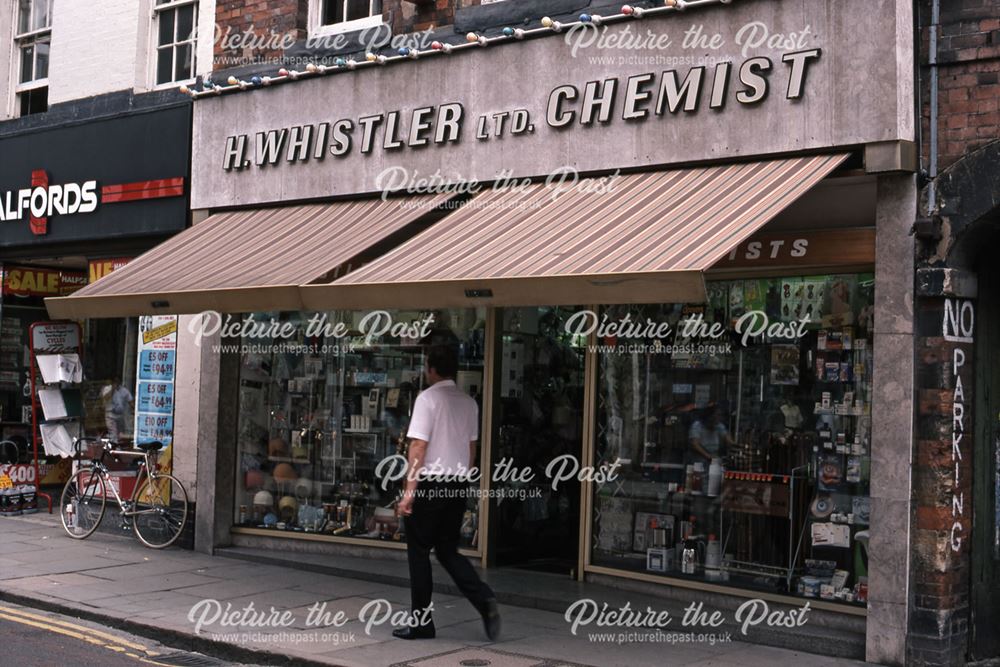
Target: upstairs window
{"points": [[175, 22], [344, 15], [32, 39]]}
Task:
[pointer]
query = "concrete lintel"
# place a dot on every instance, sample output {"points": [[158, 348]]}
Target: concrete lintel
{"points": [[943, 282], [891, 156]]}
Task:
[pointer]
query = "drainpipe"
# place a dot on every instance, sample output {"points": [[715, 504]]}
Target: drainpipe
{"points": [[932, 167]]}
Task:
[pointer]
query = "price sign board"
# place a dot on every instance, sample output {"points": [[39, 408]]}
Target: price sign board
{"points": [[155, 372]]}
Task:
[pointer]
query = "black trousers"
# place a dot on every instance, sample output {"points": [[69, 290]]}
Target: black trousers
{"points": [[436, 523]]}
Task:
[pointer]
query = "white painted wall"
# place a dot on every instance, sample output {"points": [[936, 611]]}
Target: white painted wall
{"points": [[101, 46], [205, 52], [94, 47], [6, 52]]}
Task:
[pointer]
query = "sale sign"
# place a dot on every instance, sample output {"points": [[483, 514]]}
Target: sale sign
{"points": [[154, 390], [22, 473]]}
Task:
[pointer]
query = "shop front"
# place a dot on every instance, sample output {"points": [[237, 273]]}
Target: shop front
{"points": [[665, 294], [77, 201]]}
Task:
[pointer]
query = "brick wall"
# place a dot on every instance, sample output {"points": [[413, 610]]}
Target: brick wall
{"points": [[263, 18], [942, 487], [969, 77], [410, 17]]}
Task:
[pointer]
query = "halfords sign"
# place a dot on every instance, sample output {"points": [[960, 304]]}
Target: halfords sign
{"points": [[698, 86], [43, 199], [96, 181]]}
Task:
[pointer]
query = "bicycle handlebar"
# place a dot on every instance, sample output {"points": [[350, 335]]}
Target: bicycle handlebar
{"points": [[106, 449]]}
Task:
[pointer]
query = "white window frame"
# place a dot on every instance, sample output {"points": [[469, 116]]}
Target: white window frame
{"points": [[154, 42], [318, 28], [19, 41]]}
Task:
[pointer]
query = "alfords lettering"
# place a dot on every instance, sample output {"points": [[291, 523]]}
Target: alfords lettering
{"points": [[44, 199], [636, 98]]}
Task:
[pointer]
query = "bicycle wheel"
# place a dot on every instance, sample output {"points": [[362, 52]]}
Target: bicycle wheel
{"points": [[82, 504], [160, 507]]}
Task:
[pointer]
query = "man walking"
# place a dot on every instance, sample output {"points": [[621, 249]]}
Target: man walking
{"points": [[443, 433], [118, 401]]}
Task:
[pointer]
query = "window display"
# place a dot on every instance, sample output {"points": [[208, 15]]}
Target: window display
{"points": [[318, 413], [743, 437]]}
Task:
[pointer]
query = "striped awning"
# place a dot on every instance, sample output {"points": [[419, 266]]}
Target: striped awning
{"points": [[638, 238], [253, 260]]}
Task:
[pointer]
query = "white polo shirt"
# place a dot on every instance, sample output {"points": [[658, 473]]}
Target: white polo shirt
{"points": [[448, 419]]}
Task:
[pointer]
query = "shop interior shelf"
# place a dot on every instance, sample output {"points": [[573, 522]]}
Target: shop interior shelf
{"points": [[287, 459]]}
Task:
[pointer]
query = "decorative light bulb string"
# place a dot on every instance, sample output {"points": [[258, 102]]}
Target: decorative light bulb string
{"points": [[472, 40]]}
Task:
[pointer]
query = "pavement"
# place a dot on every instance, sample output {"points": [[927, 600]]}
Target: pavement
{"points": [[267, 614]]}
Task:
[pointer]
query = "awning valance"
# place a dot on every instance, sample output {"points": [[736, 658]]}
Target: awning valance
{"points": [[253, 260], [638, 238]]}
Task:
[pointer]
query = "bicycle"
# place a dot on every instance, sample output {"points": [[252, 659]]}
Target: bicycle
{"points": [[158, 506]]}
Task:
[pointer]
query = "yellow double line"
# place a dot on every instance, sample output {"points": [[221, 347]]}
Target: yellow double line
{"points": [[80, 632]]}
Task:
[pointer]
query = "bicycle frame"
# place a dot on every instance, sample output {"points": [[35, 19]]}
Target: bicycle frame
{"points": [[147, 469]]}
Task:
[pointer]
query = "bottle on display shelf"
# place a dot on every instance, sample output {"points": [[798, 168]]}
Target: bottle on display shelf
{"points": [[715, 477]]}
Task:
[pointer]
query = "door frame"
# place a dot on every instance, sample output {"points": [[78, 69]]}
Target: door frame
{"points": [[985, 560], [490, 430]]}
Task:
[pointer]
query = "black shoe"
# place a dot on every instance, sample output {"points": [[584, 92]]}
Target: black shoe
{"points": [[491, 620], [425, 632]]}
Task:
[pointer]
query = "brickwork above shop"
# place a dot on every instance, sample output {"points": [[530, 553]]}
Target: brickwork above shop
{"points": [[969, 77], [264, 17]]}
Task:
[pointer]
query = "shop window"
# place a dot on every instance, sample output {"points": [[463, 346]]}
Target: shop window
{"points": [[343, 15], [319, 413], [176, 33], [744, 452], [31, 42]]}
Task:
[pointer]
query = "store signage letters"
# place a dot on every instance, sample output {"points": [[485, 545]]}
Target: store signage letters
{"points": [[44, 199], [636, 98], [102, 267], [41, 282], [627, 95], [841, 247]]}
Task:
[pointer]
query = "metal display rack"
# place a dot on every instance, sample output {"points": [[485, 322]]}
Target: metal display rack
{"points": [[50, 338]]}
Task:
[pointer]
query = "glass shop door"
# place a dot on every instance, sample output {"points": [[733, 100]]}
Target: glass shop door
{"points": [[538, 417]]}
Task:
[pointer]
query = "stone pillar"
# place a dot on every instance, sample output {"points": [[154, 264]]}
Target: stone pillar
{"points": [[892, 421], [205, 467], [942, 536], [197, 420]]}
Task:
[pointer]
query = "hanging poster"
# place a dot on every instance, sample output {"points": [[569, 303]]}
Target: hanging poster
{"points": [[154, 390]]}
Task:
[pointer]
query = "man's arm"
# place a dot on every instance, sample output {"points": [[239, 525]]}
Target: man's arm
{"points": [[415, 461], [472, 455], [699, 449]]}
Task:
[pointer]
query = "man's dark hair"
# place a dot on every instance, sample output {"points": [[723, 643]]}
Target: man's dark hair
{"points": [[444, 360]]}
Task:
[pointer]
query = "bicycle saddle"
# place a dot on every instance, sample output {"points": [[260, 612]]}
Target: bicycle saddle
{"points": [[150, 446]]}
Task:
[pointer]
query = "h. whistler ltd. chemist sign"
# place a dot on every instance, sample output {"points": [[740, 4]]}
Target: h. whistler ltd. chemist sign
{"points": [[731, 80]]}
